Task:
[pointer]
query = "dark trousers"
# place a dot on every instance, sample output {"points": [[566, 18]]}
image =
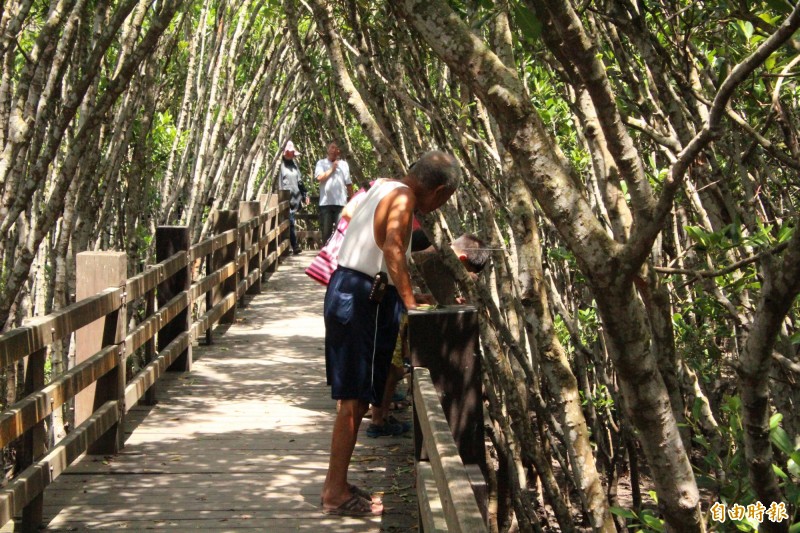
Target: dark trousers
{"points": [[328, 218], [292, 230]]}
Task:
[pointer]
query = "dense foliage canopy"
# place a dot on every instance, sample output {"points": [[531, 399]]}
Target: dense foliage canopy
{"points": [[634, 165]]}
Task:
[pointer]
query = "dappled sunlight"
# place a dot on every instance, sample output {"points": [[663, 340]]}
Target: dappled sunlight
{"points": [[241, 441]]}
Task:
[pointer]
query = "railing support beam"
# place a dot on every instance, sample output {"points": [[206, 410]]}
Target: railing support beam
{"points": [[249, 211], [223, 221], [169, 241], [96, 271]]}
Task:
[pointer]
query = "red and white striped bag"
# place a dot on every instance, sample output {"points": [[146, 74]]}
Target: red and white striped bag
{"points": [[322, 266]]}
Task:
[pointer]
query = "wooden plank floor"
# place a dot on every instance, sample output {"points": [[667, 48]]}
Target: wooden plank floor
{"points": [[241, 442]]}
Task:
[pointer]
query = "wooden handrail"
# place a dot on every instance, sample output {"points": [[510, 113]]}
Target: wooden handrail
{"points": [[155, 369], [37, 406], [41, 332], [265, 238], [32, 481], [453, 504]]}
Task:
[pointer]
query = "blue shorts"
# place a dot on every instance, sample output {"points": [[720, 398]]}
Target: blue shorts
{"points": [[359, 336]]}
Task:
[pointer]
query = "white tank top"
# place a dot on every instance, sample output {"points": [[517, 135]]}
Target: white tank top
{"points": [[359, 250]]}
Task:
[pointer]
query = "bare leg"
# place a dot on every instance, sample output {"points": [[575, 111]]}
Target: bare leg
{"points": [[345, 430], [379, 413]]}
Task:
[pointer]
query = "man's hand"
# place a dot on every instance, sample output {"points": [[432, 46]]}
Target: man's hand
{"points": [[424, 299], [328, 173]]}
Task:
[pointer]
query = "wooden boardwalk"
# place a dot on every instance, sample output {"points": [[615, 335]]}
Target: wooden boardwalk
{"points": [[241, 442]]}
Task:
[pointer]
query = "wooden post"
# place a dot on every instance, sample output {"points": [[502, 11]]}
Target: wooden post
{"points": [[445, 342], [273, 226], [169, 241], [247, 212], [149, 397], [33, 443], [222, 222], [210, 294], [96, 271], [266, 227], [283, 215]]}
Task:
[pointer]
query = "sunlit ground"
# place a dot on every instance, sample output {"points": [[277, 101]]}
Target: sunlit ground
{"points": [[241, 442]]}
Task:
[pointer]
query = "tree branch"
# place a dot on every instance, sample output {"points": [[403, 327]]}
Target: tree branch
{"points": [[641, 242], [727, 270]]}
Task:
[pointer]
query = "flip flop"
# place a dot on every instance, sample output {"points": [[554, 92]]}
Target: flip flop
{"points": [[358, 491], [355, 506]]}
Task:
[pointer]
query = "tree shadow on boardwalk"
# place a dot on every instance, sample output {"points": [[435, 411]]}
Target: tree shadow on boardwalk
{"points": [[241, 442]]}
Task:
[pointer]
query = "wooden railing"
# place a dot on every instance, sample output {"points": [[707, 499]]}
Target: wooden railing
{"points": [[444, 488], [308, 219], [449, 441], [245, 247]]}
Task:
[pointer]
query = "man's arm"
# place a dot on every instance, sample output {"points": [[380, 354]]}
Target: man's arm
{"points": [[392, 224], [322, 175], [303, 190], [349, 186]]}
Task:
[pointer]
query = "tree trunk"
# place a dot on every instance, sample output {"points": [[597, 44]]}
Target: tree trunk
{"points": [[549, 179], [779, 290]]}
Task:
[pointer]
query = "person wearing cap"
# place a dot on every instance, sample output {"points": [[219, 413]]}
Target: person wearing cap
{"points": [[335, 187], [289, 179]]}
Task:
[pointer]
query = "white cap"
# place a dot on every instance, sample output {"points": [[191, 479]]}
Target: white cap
{"points": [[290, 148]]}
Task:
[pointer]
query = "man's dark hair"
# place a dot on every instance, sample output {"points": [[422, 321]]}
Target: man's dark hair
{"points": [[436, 168], [474, 249]]}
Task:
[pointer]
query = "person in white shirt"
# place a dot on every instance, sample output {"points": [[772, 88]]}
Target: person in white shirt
{"points": [[366, 296], [335, 187]]}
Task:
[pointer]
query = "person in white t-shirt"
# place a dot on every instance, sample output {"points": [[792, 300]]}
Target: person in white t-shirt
{"points": [[335, 187]]}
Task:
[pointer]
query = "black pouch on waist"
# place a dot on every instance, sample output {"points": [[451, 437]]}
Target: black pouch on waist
{"points": [[378, 289]]}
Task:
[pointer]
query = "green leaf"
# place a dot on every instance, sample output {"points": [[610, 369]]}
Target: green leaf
{"points": [[793, 464], [785, 233], [706, 482], [619, 511], [697, 408], [698, 235], [779, 472], [652, 522], [744, 526], [775, 420], [528, 22], [746, 28], [780, 439]]}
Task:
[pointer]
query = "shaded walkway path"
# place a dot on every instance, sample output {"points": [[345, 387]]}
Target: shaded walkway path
{"points": [[241, 442]]}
